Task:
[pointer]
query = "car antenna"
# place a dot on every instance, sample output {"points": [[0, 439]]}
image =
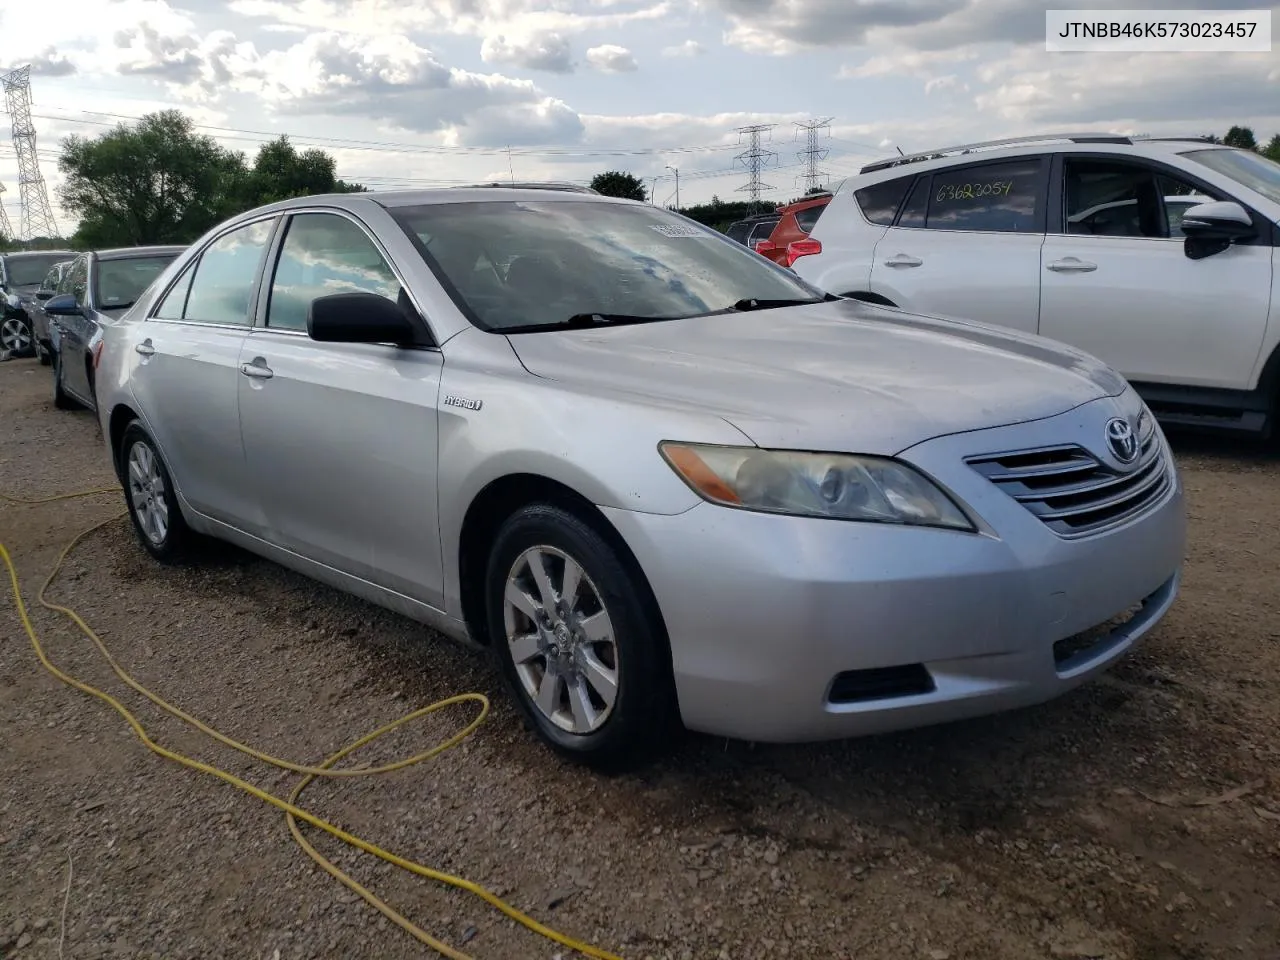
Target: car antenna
{"points": [[900, 153]]}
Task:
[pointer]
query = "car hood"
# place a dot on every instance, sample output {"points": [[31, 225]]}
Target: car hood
{"points": [[841, 375]]}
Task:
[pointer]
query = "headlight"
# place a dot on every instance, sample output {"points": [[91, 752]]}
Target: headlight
{"points": [[835, 485]]}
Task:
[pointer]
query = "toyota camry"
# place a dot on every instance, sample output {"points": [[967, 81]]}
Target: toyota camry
{"points": [[665, 482]]}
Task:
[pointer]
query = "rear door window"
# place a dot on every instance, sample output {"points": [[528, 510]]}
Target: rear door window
{"points": [[991, 197]]}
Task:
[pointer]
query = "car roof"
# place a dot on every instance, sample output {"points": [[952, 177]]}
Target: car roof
{"points": [[125, 253], [392, 199], [944, 157], [19, 254]]}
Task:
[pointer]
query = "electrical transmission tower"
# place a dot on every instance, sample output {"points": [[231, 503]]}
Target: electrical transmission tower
{"points": [[6, 231], [812, 154], [37, 214], [755, 158]]}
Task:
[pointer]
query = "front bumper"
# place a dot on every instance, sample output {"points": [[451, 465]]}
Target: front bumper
{"points": [[769, 617]]}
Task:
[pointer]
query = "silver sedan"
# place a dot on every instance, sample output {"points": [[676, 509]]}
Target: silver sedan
{"points": [[664, 481]]}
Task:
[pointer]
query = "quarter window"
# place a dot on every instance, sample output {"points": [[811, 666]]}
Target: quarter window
{"points": [[880, 201], [324, 254], [993, 197], [175, 301], [78, 279], [222, 284]]}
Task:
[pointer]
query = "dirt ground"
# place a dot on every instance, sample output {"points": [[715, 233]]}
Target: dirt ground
{"points": [[1135, 819]]}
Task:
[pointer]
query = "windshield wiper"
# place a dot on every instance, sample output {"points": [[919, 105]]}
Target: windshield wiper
{"points": [[753, 303], [583, 321]]}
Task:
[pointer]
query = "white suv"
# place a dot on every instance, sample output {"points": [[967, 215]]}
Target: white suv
{"points": [[1157, 256]]}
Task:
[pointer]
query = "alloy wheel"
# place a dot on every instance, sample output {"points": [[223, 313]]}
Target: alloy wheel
{"points": [[561, 640], [15, 336], [147, 493]]}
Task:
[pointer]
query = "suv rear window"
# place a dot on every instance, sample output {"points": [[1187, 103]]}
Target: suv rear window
{"points": [[880, 201]]}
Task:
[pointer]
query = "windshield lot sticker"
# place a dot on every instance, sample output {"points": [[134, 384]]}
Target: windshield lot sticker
{"points": [[676, 230]]}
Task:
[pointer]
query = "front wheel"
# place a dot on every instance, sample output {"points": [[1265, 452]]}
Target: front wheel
{"points": [[577, 644], [16, 337], [153, 504]]}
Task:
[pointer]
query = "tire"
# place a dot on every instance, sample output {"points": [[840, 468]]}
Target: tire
{"points": [[61, 399], [148, 492], [632, 646], [17, 337]]}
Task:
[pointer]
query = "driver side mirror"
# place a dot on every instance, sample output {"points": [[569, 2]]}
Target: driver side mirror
{"points": [[1210, 228], [362, 318], [63, 305]]}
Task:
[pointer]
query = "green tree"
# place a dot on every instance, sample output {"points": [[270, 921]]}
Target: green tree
{"points": [[156, 182], [160, 181], [1272, 150], [615, 183], [280, 172], [1241, 137]]}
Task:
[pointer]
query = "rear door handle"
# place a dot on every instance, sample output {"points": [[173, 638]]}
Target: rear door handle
{"points": [[1071, 265], [145, 348], [903, 260], [256, 370]]}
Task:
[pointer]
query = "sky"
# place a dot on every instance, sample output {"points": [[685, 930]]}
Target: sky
{"points": [[442, 92]]}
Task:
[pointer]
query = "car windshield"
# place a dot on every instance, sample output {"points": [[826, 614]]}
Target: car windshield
{"points": [[119, 283], [29, 270], [1245, 167], [523, 265]]}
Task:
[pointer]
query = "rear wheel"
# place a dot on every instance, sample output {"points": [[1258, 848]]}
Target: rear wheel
{"points": [[579, 648], [16, 337], [153, 505], [61, 399]]}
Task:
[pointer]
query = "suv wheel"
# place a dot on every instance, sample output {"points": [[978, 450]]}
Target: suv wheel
{"points": [[576, 643], [16, 338]]}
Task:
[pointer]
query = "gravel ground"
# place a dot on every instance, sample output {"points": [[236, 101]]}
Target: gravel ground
{"points": [[1135, 819]]}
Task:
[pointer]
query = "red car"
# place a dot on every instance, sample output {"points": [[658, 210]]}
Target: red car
{"points": [[790, 238]]}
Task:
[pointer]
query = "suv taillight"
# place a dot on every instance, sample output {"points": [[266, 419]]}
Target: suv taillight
{"points": [[763, 246], [802, 248]]}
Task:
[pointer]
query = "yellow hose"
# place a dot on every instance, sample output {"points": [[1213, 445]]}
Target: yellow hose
{"points": [[293, 812]]}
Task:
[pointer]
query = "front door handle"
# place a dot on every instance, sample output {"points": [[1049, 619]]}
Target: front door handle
{"points": [[145, 348], [903, 260], [1071, 265], [258, 370]]}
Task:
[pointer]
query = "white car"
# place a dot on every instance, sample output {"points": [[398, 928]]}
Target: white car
{"points": [[1087, 239]]}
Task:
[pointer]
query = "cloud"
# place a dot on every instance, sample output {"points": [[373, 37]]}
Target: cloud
{"points": [[1123, 88], [518, 18], [393, 79], [780, 27], [50, 63], [548, 51], [610, 58], [690, 48], [913, 63]]}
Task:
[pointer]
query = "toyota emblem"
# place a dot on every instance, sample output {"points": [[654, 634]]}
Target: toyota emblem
{"points": [[1122, 440]]}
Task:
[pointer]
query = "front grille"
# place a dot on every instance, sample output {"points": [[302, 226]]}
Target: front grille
{"points": [[1073, 492]]}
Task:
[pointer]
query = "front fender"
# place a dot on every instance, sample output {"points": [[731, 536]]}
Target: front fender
{"points": [[603, 448]]}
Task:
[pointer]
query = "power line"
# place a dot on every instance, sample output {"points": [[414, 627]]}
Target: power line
{"points": [[37, 215], [812, 154], [755, 158], [386, 146]]}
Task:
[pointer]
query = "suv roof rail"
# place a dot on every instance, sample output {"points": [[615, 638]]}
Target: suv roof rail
{"points": [[940, 152]]}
